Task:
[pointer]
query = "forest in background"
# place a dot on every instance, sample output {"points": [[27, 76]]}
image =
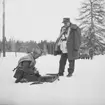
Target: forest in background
{"points": [[20, 46], [47, 46]]}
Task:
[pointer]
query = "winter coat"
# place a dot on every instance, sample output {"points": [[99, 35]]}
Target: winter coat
{"points": [[29, 58], [25, 68], [73, 42], [25, 65], [37, 52]]}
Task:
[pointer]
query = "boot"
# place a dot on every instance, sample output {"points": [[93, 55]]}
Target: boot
{"points": [[70, 72], [69, 75]]}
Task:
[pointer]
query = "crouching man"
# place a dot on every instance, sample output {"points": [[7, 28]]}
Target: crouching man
{"points": [[26, 71]]}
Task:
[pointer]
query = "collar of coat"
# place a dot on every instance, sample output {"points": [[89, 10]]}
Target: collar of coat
{"points": [[73, 26]]}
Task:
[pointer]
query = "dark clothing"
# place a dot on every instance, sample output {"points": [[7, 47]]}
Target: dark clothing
{"points": [[71, 66], [62, 63], [73, 45], [26, 66], [73, 42], [26, 72]]}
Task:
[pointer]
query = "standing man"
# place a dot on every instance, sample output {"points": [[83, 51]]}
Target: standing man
{"points": [[68, 43]]}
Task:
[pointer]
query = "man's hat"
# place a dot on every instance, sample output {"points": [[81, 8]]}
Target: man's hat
{"points": [[66, 20]]}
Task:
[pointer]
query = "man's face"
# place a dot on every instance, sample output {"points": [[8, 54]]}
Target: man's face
{"points": [[66, 23]]}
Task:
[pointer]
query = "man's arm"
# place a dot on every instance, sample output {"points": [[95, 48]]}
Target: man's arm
{"points": [[58, 39]]}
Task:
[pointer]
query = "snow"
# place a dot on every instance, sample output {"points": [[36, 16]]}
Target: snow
{"points": [[85, 87]]}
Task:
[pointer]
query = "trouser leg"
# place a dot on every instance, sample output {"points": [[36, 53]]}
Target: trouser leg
{"points": [[62, 63], [71, 66]]}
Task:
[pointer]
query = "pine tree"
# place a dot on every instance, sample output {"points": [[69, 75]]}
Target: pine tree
{"points": [[92, 23]]}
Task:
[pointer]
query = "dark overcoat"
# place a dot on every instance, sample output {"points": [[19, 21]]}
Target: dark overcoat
{"points": [[73, 42]]}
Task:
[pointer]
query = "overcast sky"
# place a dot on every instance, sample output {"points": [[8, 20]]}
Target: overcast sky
{"points": [[37, 19]]}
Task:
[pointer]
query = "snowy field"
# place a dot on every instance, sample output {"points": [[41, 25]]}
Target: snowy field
{"points": [[85, 87]]}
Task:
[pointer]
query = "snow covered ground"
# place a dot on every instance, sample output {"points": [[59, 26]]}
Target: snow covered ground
{"points": [[85, 87]]}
